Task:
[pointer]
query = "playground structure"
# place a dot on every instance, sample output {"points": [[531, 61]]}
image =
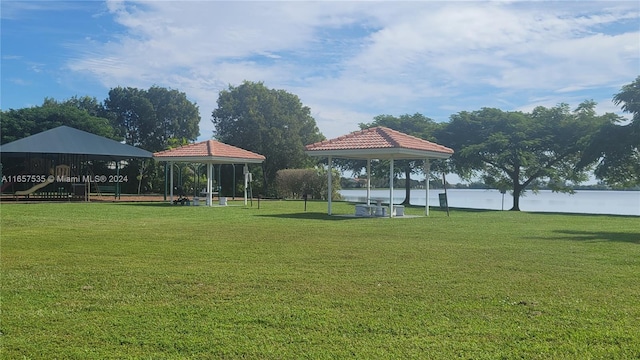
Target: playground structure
{"points": [[36, 187], [61, 172], [61, 184], [56, 186], [62, 163]]}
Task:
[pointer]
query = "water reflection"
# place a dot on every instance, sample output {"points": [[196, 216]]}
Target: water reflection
{"points": [[585, 201]]}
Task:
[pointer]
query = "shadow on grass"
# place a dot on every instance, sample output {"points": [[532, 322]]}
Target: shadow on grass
{"points": [[169, 205], [313, 216], [325, 216], [147, 204], [633, 238]]}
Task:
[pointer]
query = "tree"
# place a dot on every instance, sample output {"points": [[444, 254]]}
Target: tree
{"points": [[270, 122], [176, 117], [21, 123], [616, 148], [416, 125], [131, 114], [150, 119], [87, 103], [519, 151]]}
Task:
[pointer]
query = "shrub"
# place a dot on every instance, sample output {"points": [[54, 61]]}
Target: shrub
{"points": [[295, 183]]}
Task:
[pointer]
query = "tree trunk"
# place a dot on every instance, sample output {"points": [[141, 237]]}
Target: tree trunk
{"points": [[141, 168], [517, 187], [517, 191], [407, 186]]}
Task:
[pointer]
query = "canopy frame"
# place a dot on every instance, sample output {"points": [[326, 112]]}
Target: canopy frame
{"points": [[379, 143], [210, 152]]}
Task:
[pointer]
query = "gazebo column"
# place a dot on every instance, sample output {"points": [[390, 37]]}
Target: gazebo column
{"points": [[329, 182], [368, 181], [427, 175], [117, 190], [209, 184], [391, 188], [245, 172], [171, 181]]}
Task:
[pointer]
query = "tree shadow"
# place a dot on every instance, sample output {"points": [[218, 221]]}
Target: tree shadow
{"points": [[598, 236], [316, 216], [145, 204]]}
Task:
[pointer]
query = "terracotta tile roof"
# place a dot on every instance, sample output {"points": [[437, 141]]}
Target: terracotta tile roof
{"points": [[209, 149], [378, 138]]}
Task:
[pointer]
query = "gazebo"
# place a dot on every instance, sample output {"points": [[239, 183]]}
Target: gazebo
{"points": [[64, 152], [379, 143], [210, 152]]}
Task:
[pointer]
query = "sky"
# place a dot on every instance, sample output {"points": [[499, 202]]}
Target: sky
{"points": [[348, 61]]}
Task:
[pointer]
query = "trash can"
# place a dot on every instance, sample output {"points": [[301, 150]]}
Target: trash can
{"points": [[223, 201], [443, 200], [196, 201]]}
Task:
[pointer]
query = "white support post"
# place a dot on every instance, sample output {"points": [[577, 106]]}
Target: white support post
{"points": [[171, 182], [245, 171], [368, 181], [427, 175], [329, 182], [391, 188], [209, 184]]}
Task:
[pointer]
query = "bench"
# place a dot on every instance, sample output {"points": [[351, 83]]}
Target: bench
{"points": [[370, 210], [109, 189], [375, 210], [365, 210]]}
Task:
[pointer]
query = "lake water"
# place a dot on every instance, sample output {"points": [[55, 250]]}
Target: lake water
{"points": [[585, 201]]}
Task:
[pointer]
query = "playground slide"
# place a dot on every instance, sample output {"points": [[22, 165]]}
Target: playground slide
{"points": [[50, 179]]}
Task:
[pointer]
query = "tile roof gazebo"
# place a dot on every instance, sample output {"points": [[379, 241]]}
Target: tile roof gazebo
{"points": [[379, 143], [210, 152]]}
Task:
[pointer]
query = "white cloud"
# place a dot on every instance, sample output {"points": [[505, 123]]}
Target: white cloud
{"points": [[20, 82], [350, 61]]}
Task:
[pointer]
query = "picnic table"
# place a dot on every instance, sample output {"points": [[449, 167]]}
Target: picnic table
{"points": [[371, 210], [377, 209]]}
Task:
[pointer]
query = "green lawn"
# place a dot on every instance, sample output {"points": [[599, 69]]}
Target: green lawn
{"points": [[154, 281]]}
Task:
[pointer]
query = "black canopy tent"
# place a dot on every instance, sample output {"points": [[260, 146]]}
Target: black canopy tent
{"points": [[56, 159], [67, 140]]}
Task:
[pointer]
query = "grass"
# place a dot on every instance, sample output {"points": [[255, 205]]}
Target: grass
{"points": [[154, 281]]}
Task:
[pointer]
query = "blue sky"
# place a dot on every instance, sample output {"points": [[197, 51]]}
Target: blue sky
{"points": [[347, 61]]}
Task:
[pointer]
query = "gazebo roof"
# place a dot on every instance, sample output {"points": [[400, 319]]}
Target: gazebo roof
{"points": [[68, 140], [379, 143], [209, 151]]}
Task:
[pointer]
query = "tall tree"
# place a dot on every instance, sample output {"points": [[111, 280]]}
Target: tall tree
{"points": [[151, 118], [270, 122], [132, 114], [20, 123], [176, 117], [416, 125], [518, 151], [616, 147], [87, 103]]}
